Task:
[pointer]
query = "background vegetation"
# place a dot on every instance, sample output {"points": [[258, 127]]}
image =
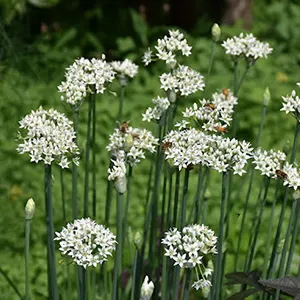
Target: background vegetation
{"points": [[38, 43]]}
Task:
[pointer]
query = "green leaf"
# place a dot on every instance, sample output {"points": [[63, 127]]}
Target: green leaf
{"points": [[140, 26], [67, 37], [43, 3]]}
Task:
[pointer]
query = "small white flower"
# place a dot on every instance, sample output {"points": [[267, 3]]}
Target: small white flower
{"points": [[291, 104], [200, 284], [147, 57], [147, 289], [160, 106]]}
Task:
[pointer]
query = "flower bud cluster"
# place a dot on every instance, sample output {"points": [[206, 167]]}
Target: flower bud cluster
{"points": [[182, 80], [291, 104], [49, 136], [85, 77], [190, 147], [125, 68], [168, 47], [187, 248], [87, 243], [215, 113], [247, 46], [160, 106]]}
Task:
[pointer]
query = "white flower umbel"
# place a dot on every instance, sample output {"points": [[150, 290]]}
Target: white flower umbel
{"points": [[190, 147], [291, 104], [85, 77], [87, 243], [215, 113], [246, 46], [188, 247], [201, 283], [147, 289], [133, 142], [48, 136], [155, 113], [268, 161], [168, 47], [183, 80], [291, 176], [125, 68]]}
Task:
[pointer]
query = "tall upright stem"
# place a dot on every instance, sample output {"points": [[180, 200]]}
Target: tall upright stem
{"points": [[94, 156], [129, 183], [75, 172], [52, 285], [184, 199], [27, 257], [121, 104], [62, 189]]}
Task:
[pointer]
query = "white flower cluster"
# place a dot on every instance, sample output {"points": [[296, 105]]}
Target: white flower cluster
{"points": [[291, 104], [86, 242], [248, 46], [291, 176], [215, 113], [131, 141], [118, 169], [168, 47], [183, 80], [191, 147], [268, 161], [85, 77], [126, 67], [49, 136], [160, 106], [187, 249]]}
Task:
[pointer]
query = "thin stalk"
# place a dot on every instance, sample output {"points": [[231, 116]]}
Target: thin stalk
{"points": [[118, 256], [108, 198], [27, 257], [242, 80], [294, 238], [75, 172], [63, 201], [169, 209], [176, 282], [164, 192], [10, 282], [87, 159], [213, 47], [204, 200], [176, 197], [235, 92], [52, 285], [83, 284], [129, 184], [219, 265], [258, 225], [134, 272], [165, 281], [197, 197], [295, 143], [94, 157], [261, 125], [121, 104], [187, 284], [184, 198]]}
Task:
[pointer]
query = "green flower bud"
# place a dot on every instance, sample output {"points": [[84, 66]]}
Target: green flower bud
{"points": [[171, 96], [296, 195], [137, 239], [267, 97], [128, 142], [280, 246], [216, 32], [205, 292], [29, 209], [121, 184]]}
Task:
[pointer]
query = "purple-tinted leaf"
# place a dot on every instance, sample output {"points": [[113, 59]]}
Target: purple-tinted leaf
{"points": [[242, 295]]}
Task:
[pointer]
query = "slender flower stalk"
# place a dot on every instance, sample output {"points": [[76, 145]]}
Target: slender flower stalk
{"points": [[128, 197], [94, 179], [11, 284], [83, 284], [75, 171], [62, 190], [184, 199]]}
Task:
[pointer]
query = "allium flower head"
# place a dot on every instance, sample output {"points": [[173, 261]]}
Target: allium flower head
{"points": [[215, 113], [188, 247], [85, 77], [48, 136], [291, 177], [160, 106], [291, 104], [168, 47], [182, 80], [247, 46], [133, 142], [125, 68], [87, 243]]}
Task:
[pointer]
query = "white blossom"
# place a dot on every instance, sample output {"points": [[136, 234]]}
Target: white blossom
{"points": [[147, 57], [291, 104], [292, 177], [48, 136], [247, 46], [147, 289], [85, 77], [87, 243], [201, 283], [160, 106], [126, 67]]}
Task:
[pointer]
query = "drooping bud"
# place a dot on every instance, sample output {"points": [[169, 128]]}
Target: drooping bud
{"points": [[267, 97], [216, 32], [121, 184], [29, 209], [147, 289]]}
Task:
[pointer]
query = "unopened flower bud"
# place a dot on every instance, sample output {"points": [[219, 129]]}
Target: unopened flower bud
{"points": [[128, 142], [29, 209], [216, 32], [267, 97], [171, 96], [210, 265], [137, 239], [121, 184], [123, 80], [147, 289], [205, 291], [296, 195], [280, 246]]}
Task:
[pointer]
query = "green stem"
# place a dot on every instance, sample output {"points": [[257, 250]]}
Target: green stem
{"points": [[187, 284], [27, 244], [129, 183], [87, 159], [165, 281], [197, 197], [134, 272], [294, 238], [176, 197], [258, 225], [94, 156], [176, 282], [169, 209], [295, 143], [118, 256], [213, 47], [52, 285], [184, 198], [10, 282], [219, 267], [203, 197], [83, 284], [108, 199], [164, 194], [121, 104], [75, 172], [241, 80], [63, 194]]}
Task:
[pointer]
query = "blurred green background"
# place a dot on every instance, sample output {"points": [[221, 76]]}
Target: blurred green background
{"points": [[40, 38]]}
